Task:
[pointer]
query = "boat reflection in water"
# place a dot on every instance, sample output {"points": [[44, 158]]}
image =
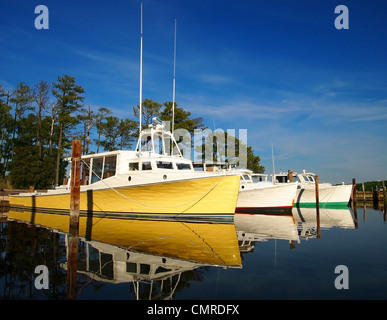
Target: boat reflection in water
{"points": [[252, 228], [302, 224], [151, 254], [308, 222]]}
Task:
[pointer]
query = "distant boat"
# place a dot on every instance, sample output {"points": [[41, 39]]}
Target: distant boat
{"points": [[256, 193], [328, 218], [330, 196], [262, 227], [147, 183]]}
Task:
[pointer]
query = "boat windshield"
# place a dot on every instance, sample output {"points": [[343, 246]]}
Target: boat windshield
{"points": [[97, 168]]}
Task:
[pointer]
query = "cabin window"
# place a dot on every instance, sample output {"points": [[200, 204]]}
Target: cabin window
{"points": [[97, 169], [247, 178], [161, 270], [85, 172], [93, 259], [296, 179], [107, 265], [257, 178], [109, 168], [131, 267], [146, 166], [146, 143], [164, 165], [282, 179], [133, 166], [183, 166], [144, 268]]}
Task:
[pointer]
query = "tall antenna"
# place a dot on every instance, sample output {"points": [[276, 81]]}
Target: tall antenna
{"points": [[174, 82], [272, 156], [140, 124]]}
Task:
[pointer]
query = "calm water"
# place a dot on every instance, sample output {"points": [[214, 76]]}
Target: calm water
{"points": [[257, 257]]}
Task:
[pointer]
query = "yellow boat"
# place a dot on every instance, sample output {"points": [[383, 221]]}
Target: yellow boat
{"points": [[148, 183]]}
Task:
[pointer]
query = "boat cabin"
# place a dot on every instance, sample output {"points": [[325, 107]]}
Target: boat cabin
{"points": [[304, 177], [156, 150]]}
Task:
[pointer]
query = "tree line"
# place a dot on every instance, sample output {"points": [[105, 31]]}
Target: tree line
{"points": [[39, 122]]}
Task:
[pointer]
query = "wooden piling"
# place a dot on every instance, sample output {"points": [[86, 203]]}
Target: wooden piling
{"points": [[75, 183], [354, 197], [354, 193], [364, 194], [316, 182], [74, 219], [290, 175]]}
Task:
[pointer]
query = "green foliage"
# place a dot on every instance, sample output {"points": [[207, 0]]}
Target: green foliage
{"points": [[149, 110], [68, 98], [253, 161], [371, 185], [182, 118]]}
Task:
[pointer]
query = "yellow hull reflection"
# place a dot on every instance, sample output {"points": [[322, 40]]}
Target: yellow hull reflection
{"points": [[204, 243]]}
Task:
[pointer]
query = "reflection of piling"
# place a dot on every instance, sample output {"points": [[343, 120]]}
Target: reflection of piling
{"points": [[74, 220], [384, 202], [316, 182], [354, 196], [364, 201]]}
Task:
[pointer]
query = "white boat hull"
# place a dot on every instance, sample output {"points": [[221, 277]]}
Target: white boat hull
{"points": [[329, 196], [266, 197]]}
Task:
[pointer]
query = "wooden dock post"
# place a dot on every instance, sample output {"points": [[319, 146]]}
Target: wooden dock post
{"points": [[354, 193], [364, 202], [354, 197], [74, 219], [364, 193], [316, 182], [75, 183], [290, 175]]}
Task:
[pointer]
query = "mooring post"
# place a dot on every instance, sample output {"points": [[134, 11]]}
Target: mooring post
{"points": [[364, 194], [316, 182], [290, 175], [354, 193], [75, 183], [74, 219]]}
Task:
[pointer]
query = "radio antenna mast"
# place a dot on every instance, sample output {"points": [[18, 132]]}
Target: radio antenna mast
{"points": [[174, 82], [272, 156], [140, 124]]}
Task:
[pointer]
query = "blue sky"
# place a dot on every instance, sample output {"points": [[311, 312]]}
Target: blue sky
{"points": [[279, 69]]}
